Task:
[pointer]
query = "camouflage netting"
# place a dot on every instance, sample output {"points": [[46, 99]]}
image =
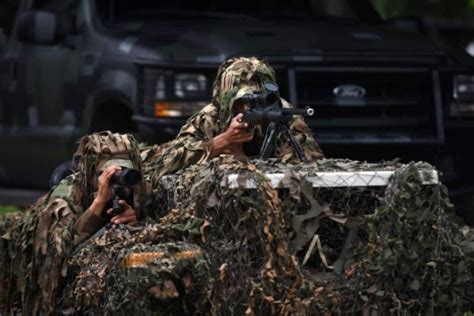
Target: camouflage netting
{"points": [[136, 271], [397, 248]]}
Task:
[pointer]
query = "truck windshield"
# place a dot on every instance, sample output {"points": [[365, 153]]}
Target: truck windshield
{"points": [[115, 11]]}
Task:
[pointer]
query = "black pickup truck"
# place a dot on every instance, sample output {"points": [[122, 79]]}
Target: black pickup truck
{"points": [[381, 89]]}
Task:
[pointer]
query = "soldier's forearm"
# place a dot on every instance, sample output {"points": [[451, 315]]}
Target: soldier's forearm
{"points": [[86, 225], [97, 207], [219, 144]]}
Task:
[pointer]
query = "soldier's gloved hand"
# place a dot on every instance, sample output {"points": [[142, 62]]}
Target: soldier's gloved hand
{"points": [[105, 192], [129, 216], [237, 132]]}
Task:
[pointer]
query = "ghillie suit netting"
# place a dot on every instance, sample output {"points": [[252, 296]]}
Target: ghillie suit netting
{"points": [[34, 247], [263, 238]]}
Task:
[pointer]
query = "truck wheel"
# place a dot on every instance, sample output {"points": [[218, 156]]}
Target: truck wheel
{"points": [[113, 117]]}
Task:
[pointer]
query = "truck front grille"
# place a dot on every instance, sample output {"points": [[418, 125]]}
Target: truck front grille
{"points": [[399, 106]]}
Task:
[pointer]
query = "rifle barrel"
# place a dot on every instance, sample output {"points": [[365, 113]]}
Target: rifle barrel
{"points": [[305, 112]]}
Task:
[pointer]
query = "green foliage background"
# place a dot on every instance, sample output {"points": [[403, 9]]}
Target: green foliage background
{"points": [[8, 209], [425, 8]]}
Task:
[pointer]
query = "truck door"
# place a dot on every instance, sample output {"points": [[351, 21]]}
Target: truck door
{"points": [[32, 86], [5, 112], [52, 69], [13, 101]]}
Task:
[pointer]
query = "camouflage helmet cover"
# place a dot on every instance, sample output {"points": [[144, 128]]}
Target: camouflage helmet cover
{"points": [[239, 74], [100, 150]]}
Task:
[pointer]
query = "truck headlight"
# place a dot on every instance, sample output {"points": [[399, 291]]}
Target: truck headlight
{"points": [[177, 109], [174, 94], [463, 95], [463, 87], [462, 109], [190, 85]]}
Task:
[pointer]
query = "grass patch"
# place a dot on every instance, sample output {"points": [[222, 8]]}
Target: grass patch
{"points": [[8, 209]]}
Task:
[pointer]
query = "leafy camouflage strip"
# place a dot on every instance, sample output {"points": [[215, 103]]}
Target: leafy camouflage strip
{"points": [[8, 220], [34, 249], [398, 250], [193, 145], [7, 288], [419, 257]]}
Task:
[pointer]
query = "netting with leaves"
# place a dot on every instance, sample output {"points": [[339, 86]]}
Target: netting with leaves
{"points": [[335, 236]]}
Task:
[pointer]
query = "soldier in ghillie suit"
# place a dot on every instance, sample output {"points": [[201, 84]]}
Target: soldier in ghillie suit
{"points": [[67, 254], [35, 247], [218, 128]]}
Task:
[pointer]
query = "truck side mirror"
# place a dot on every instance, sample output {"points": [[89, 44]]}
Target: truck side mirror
{"points": [[41, 27], [470, 48]]}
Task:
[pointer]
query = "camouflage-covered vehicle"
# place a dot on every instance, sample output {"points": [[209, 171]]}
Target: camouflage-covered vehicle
{"points": [[380, 89], [259, 237]]}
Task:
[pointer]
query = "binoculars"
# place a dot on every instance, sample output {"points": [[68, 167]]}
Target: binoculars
{"points": [[123, 182], [126, 177]]}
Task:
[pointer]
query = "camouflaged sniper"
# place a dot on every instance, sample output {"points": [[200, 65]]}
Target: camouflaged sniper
{"points": [[95, 152], [194, 142], [35, 248]]}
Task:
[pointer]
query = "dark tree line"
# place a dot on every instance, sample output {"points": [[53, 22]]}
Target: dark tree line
{"points": [[426, 8]]}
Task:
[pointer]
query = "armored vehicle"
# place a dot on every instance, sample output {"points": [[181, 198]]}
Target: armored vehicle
{"points": [[381, 89]]}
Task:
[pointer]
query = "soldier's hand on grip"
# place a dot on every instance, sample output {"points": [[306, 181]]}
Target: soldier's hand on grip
{"points": [[238, 131], [129, 216]]}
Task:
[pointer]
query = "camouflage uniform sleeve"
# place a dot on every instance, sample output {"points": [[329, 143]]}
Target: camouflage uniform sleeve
{"points": [[305, 138], [193, 145], [84, 223]]}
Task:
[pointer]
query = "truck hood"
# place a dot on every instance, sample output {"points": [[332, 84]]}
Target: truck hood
{"points": [[198, 41]]}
